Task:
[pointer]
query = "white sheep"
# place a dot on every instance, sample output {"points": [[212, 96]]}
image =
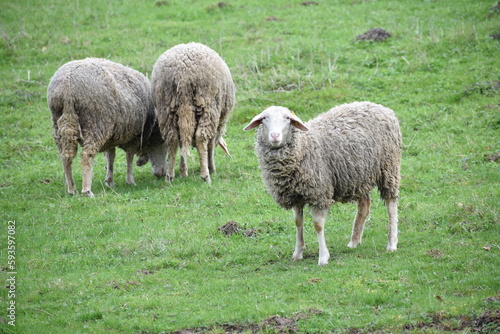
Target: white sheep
{"points": [[338, 156], [100, 105], [193, 93]]}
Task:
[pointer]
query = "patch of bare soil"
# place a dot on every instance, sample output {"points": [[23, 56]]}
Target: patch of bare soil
{"points": [[375, 34], [273, 324], [484, 88], [488, 322], [231, 228]]}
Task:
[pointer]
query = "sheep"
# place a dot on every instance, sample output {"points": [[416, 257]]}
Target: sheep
{"points": [[194, 94], [100, 105], [338, 156]]}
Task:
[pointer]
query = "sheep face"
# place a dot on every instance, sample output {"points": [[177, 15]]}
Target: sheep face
{"points": [[157, 157], [277, 123]]}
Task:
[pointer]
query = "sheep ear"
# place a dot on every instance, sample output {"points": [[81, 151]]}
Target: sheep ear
{"points": [[297, 123], [256, 121]]}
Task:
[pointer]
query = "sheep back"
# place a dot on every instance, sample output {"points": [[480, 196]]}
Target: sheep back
{"points": [[101, 104], [188, 80], [346, 152]]}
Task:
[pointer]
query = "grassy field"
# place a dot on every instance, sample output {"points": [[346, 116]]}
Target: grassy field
{"points": [[150, 259]]}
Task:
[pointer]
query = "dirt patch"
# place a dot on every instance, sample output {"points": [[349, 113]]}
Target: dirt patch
{"points": [[231, 228], [492, 157], [488, 322], [484, 88], [309, 3], [279, 325], [375, 34], [273, 324], [435, 253]]}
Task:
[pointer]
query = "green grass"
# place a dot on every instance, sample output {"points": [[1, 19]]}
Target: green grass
{"points": [[149, 258]]}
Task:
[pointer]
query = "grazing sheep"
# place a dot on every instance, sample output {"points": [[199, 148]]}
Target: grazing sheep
{"points": [[193, 93], [100, 104], [338, 156]]}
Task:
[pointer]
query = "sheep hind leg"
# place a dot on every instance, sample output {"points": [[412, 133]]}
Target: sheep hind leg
{"points": [[392, 211], [68, 175], [319, 218], [110, 158], [183, 167], [203, 154], [211, 161], [67, 151], [87, 164], [359, 222], [300, 245]]}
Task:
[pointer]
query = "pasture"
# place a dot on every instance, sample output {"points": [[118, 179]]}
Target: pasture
{"points": [[151, 258]]}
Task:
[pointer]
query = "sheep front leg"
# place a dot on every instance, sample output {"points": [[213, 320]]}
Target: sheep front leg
{"points": [[319, 218], [110, 158], [87, 164], [300, 245], [359, 222], [392, 211], [129, 156]]}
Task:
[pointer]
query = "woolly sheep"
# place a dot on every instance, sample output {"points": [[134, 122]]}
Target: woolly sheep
{"points": [[338, 156], [193, 93], [100, 104]]}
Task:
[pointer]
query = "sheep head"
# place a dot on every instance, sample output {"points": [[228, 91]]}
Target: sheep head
{"points": [[277, 123]]}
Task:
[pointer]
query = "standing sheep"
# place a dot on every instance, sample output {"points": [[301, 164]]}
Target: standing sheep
{"points": [[193, 93], [338, 156], [100, 104]]}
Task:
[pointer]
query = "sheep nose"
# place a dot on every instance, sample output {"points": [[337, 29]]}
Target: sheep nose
{"points": [[275, 138]]}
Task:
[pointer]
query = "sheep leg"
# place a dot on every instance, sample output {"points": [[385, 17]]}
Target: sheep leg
{"points": [[129, 156], [300, 245], [68, 175], [359, 222], [211, 161], [319, 218], [172, 152], [87, 163], [201, 145], [110, 158], [183, 168], [392, 210]]}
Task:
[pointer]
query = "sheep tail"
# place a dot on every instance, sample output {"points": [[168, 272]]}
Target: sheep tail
{"points": [[187, 124], [68, 130]]}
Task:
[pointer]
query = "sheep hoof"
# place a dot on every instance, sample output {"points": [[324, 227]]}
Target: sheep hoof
{"points": [[72, 192], [391, 248], [169, 178], [207, 179], [353, 244], [88, 193], [323, 262], [297, 257], [110, 184]]}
